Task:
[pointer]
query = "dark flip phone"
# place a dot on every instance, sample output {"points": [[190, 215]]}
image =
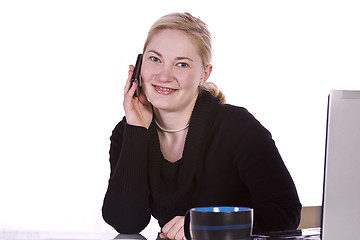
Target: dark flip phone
{"points": [[136, 75]]}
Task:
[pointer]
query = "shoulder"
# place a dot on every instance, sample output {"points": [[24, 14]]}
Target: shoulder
{"points": [[118, 131], [207, 102], [229, 110], [236, 115], [239, 123], [225, 117], [223, 110]]}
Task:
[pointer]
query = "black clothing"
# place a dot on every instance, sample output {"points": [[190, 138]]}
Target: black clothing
{"points": [[229, 159]]}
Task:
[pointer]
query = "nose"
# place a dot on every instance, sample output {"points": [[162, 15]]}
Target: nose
{"points": [[165, 74]]}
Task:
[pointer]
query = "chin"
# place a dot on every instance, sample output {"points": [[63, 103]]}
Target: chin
{"points": [[162, 104]]}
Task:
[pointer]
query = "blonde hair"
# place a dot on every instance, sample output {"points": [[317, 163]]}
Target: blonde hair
{"points": [[198, 32]]}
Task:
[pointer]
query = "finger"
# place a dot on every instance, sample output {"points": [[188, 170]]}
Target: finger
{"points": [[174, 228], [143, 99], [180, 234], [132, 90], [167, 228], [128, 82], [163, 236], [128, 101], [169, 225]]}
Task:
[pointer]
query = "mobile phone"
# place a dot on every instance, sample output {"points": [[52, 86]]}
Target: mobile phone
{"points": [[136, 75]]}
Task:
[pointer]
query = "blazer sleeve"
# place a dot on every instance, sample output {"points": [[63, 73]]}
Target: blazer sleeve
{"points": [[274, 196], [126, 202]]}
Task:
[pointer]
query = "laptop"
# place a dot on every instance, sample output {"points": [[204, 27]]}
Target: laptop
{"points": [[341, 194]]}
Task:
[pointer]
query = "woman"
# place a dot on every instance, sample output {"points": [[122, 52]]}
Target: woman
{"points": [[180, 147]]}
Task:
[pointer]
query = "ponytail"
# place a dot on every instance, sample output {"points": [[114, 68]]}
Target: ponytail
{"points": [[214, 90]]}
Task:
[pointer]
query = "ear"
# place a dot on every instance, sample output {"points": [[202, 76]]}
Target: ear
{"points": [[206, 73]]}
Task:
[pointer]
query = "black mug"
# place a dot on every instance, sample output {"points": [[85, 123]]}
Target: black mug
{"points": [[215, 223]]}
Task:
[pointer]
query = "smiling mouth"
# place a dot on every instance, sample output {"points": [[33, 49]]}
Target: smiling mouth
{"points": [[164, 90]]}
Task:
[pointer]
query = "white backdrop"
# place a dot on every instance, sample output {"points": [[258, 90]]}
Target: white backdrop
{"points": [[62, 69]]}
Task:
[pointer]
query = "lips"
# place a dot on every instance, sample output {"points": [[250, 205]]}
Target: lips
{"points": [[164, 90]]}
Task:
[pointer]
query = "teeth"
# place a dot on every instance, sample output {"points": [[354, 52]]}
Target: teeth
{"points": [[164, 89]]}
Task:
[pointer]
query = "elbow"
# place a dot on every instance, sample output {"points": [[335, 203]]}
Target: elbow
{"points": [[274, 217], [124, 222]]}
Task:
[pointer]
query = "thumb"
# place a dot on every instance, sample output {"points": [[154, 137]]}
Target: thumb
{"points": [[162, 236]]}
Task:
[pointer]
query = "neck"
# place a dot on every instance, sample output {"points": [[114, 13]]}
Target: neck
{"points": [[171, 130], [174, 121]]}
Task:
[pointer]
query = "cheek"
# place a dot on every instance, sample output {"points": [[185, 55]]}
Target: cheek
{"points": [[191, 80], [146, 76], [145, 73]]}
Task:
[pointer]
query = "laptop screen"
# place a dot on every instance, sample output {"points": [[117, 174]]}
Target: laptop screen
{"points": [[341, 196]]}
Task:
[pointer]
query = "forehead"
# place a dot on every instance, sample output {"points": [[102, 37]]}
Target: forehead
{"points": [[173, 42]]}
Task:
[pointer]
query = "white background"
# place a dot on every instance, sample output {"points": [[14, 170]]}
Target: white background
{"points": [[62, 70]]}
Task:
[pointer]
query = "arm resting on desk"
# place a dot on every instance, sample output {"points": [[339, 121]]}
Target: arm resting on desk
{"points": [[126, 202]]}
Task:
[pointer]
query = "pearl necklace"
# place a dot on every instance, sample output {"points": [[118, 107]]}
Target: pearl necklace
{"points": [[171, 131]]}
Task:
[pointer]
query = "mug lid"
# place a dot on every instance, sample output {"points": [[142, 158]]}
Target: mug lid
{"points": [[221, 209]]}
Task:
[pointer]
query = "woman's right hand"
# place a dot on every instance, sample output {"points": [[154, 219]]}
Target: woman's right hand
{"points": [[138, 110]]}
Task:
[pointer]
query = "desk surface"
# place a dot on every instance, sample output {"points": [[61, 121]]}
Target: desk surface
{"points": [[32, 235], [306, 234]]}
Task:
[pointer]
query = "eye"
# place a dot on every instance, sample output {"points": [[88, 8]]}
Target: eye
{"points": [[155, 59], [183, 65]]}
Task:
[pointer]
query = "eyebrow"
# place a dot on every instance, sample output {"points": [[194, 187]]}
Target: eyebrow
{"points": [[177, 58]]}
